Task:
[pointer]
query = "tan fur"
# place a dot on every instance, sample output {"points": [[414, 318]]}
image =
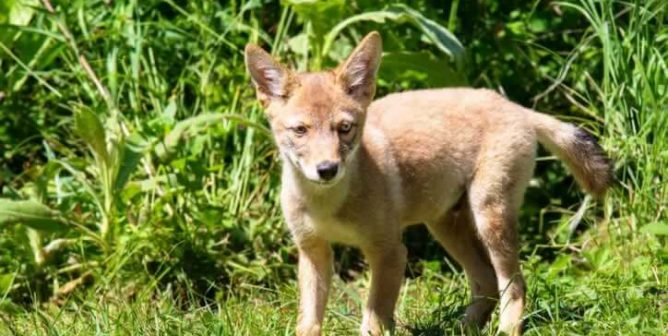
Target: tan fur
{"points": [[457, 160]]}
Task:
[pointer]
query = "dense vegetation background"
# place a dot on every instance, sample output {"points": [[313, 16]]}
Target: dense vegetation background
{"points": [[138, 181]]}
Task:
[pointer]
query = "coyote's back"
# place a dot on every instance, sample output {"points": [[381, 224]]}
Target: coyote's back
{"points": [[442, 137]]}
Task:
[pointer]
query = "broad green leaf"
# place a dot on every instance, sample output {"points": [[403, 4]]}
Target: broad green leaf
{"points": [[659, 229], [440, 36], [322, 14], [299, 44], [375, 16], [170, 110], [6, 281], [5, 7], [538, 25], [132, 150], [17, 12], [27, 48], [46, 174], [30, 213], [90, 129], [424, 66]]}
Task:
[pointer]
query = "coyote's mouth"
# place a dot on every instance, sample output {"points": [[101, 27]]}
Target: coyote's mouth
{"points": [[324, 183]]}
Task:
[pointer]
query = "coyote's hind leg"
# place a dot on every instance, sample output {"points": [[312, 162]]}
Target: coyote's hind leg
{"points": [[457, 234], [495, 195]]}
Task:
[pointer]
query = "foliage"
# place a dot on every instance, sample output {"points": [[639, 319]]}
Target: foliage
{"points": [[135, 162], [569, 298]]}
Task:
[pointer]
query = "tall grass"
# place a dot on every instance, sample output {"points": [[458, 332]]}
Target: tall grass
{"points": [[627, 43]]}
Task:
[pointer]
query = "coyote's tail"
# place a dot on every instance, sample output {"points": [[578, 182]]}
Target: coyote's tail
{"points": [[583, 156]]}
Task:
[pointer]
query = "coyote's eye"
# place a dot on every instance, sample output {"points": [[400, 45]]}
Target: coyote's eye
{"points": [[345, 127], [299, 130]]}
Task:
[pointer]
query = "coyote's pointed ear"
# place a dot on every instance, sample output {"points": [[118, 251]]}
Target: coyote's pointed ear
{"points": [[272, 80], [357, 74]]}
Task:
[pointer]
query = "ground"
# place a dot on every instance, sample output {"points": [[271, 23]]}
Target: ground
{"points": [[604, 294]]}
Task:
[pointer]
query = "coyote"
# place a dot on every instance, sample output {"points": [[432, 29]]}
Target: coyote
{"points": [[357, 172]]}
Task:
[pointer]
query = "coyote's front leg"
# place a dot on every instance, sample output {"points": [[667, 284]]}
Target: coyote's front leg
{"points": [[315, 273], [388, 263]]}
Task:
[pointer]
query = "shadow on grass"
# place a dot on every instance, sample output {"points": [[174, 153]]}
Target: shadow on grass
{"points": [[445, 321]]}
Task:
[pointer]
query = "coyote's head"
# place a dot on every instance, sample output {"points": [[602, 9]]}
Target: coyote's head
{"points": [[317, 118]]}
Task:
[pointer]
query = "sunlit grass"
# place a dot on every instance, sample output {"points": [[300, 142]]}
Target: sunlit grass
{"points": [[596, 297]]}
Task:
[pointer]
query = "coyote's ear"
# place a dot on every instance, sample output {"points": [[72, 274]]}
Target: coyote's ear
{"points": [[272, 80], [357, 74]]}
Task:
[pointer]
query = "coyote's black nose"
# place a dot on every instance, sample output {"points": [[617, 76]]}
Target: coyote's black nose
{"points": [[327, 170]]}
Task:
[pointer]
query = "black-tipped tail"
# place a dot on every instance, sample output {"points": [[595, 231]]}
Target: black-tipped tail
{"points": [[579, 150]]}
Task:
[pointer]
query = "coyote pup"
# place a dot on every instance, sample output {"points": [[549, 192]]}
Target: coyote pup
{"points": [[358, 172]]}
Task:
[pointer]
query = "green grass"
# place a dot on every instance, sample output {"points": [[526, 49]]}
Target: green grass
{"points": [[601, 297], [152, 181]]}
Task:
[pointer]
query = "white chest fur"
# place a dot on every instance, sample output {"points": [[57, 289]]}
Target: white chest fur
{"points": [[333, 230]]}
